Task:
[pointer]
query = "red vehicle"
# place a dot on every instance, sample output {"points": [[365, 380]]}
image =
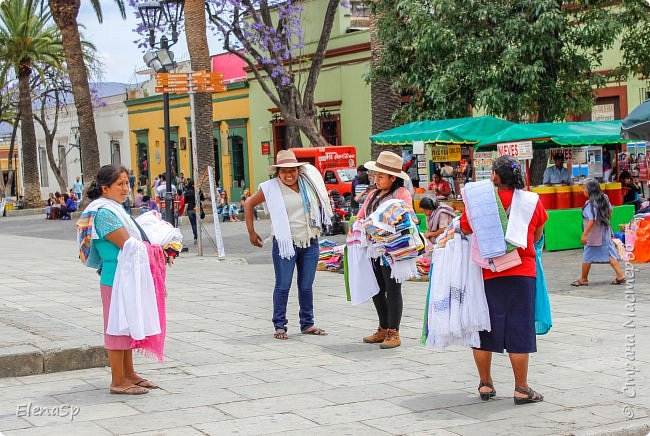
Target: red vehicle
{"points": [[337, 164]]}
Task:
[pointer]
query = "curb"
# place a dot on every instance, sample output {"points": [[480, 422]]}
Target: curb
{"points": [[21, 360]]}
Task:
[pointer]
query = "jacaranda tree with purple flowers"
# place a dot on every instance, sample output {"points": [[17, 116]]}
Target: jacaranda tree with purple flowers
{"points": [[268, 36]]}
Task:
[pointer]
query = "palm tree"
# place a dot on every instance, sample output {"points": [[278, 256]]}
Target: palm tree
{"points": [[384, 101], [65, 14], [28, 41], [197, 45]]}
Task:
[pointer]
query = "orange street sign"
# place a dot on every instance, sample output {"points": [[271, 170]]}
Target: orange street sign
{"points": [[197, 80], [211, 88], [179, 76], [171, 90]]}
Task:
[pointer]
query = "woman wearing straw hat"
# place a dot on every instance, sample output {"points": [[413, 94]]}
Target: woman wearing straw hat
{"points": [[389, 184], [297, 202]]}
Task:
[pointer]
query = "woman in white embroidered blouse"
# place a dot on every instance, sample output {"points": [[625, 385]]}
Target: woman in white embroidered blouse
{"points": [[298, 209]]}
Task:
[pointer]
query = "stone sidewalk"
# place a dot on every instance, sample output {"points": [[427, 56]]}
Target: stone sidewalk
{"points": [[225, 374]]}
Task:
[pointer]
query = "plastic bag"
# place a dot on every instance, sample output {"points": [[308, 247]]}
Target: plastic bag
{"points": [[642, 242]]}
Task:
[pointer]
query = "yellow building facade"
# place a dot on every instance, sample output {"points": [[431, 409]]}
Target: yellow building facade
{"points": [[231, 132], [4, 168]]}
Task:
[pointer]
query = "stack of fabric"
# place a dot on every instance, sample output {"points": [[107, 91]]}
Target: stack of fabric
{"points": [[389, 234], [160, 232], [424, 265], [392, 235], [331, 256]]}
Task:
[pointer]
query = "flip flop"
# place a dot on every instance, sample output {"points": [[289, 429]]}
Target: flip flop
{"points": [[578, 283], [281, 334], [618, 282], [125, 391], [314, 331], [152, 385]]}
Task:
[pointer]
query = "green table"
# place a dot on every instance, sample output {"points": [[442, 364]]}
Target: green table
{"points": [[564, 226]]}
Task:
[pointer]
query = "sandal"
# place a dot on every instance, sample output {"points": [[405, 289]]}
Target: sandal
{"points": [[148, 384], [486, 395], [314, 331], [578, 283], [618, 281], [531, 396], [136, 390], [280, 334]]}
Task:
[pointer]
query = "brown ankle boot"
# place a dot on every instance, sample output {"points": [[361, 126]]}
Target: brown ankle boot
{"points": [[392, 339], [378, 337]]}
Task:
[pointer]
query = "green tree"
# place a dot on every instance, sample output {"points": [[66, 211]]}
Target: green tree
{"points": [[384, 100], [65, 14], [532, 60], [28, 41]]}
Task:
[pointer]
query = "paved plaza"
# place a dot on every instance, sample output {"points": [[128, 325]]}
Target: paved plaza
{"points": [[225, 374]]}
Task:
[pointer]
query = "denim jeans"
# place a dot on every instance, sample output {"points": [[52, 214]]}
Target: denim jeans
{"points": [[305, 260], [191, 214]]}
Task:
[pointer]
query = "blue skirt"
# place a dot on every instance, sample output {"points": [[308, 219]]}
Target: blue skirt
{"points": [[601, 253], [511, 301]]}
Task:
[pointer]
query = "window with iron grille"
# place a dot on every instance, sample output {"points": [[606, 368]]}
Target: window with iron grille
{"points": [[644, 94], [42, 166]]}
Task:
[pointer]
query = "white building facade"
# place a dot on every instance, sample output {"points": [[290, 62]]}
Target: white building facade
{"points": [[112, 127]]}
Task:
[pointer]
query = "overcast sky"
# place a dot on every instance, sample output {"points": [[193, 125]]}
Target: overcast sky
{"points": [[114, 41]]}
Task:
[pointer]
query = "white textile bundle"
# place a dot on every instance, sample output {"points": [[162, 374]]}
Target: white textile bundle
{"points": [[458, 308]]}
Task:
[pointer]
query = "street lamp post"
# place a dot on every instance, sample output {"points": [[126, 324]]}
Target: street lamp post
{"points": [[162, 61]]}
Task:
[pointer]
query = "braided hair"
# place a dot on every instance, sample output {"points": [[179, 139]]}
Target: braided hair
{"points": [[509, 171]]}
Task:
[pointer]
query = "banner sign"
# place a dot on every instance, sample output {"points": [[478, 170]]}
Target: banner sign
{"points": [[483, 161], [519, 150], [418, 147], [446, 153], [221, 252]]}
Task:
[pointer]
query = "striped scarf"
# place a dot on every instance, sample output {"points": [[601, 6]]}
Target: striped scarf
{"points": [[314, 210]]}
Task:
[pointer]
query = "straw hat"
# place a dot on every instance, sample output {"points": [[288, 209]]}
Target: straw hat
{"points": [[286, 159], [387, 163]]}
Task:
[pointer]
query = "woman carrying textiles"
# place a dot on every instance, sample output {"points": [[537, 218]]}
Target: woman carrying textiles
{"points": [[597, 234], [297, 202], [510, 292], [389, 182], [111, 241]]}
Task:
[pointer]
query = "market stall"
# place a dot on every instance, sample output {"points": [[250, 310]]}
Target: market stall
{"points": [[442, 144], [581, 144]]}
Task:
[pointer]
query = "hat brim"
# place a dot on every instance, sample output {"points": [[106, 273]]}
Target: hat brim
{"points": [[272, 168], [372, 166]]}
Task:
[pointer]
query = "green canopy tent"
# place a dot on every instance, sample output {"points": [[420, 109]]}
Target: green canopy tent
{"points": [[549, 135], [563, 230], [458, 131]]}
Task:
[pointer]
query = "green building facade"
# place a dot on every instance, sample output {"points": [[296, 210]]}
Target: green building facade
{"points": [[342, 95]]}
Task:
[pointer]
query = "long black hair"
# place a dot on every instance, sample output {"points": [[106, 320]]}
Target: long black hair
{"points": [[428, 203], [106, 176], [509, 171], [597, 200], [376, 199]]}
